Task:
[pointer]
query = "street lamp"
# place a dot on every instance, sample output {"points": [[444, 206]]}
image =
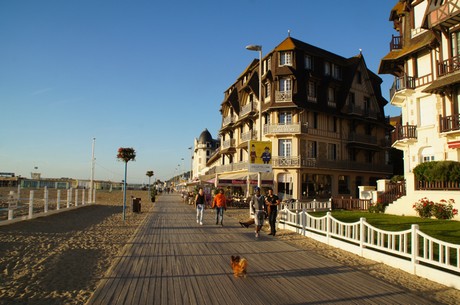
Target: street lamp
{"points": [[191, 162], [259, 49], [149, 174]]}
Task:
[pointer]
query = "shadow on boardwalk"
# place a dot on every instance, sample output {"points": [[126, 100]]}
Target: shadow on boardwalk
{"points": [[173, 260]]}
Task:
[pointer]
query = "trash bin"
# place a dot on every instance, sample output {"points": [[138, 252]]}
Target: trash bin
{"points": [[136, 205]]}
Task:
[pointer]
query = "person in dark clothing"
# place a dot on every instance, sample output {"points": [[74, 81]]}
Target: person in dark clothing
{"points": [[272, 201], [200, 202]]}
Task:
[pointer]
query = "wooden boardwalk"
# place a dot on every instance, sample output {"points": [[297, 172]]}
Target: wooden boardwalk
{"points": [[173, 260]]}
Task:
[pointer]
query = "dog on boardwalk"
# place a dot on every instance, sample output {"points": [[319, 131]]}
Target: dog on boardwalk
{"points": [[239, 266]]}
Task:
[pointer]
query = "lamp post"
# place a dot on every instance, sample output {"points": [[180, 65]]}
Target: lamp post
{"points": [[149, 174], [183, 167], [191, 162], [259, 106]]}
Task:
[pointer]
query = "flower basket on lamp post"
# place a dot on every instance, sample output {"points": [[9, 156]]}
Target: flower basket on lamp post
{"points": [[125, 154]]}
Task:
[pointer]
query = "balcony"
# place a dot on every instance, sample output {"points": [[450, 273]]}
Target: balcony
{"points": [[399, 89], [360, 111], [446, 15], [449, 65], [294, 128], [293, 161], [231, 167], [304, 162], [228, 144], [395, 43], [404, 134], [361, 138], [450, 123], [248, 108], [228, 120], [283, 96], [249, 135]]}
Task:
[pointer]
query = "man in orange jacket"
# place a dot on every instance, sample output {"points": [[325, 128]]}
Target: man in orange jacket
{"points": [[220, 203]]}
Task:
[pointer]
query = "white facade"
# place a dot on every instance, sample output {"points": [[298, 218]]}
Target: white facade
{"points": [[424, 59]]}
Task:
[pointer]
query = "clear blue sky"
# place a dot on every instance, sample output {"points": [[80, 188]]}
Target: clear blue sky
{"points": [[148, 74]]}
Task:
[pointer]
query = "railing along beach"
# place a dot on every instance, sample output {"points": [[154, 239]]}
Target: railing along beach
{"points": [[40, 202]]}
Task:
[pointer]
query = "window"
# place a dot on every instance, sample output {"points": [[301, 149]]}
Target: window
{"points": [[427, 154], [327, 68], [359, 77], [343, 184], [351, 99], [266, 65], [332, 124], [455, 44], [312, 91], [312, 149], [308, 62], [331, 151], [285, 59], [367, 104], [285, 118], [285, 84], [331, 97], [315, 120], [369, 156], [337, 72], [284, 148], [267, 89]]}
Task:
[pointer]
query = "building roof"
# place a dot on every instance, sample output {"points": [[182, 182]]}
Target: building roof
{"points": [[439, 85], [418, 43], [205, 137]]}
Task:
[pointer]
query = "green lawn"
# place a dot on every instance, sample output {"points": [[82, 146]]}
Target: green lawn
{"points": [[445, 230]]}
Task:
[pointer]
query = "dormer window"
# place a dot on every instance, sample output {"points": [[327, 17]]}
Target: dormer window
{"points": [[266, 65], [285, 59], [337, 72], [333, 70], [327, 68], [308, 62]]}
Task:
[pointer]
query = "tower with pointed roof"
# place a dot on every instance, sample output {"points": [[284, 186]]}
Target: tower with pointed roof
{"points": [[204, 147]]}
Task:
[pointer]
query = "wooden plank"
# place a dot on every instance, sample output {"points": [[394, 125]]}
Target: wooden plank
{"points": [[172, 260]]}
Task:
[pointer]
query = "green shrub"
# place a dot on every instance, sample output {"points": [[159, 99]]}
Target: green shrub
{"points": [[437, 171], [376, 207]]}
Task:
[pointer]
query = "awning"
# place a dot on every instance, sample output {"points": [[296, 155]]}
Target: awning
{"points": [[241, 179], [454, 144]]}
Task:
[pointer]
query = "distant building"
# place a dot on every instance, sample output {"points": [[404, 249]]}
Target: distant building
{"points": [[203, 148]]}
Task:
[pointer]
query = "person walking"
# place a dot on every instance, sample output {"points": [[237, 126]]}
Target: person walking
{"points": [[200, 202], [220, 203], [272, 201], [259, 207]]}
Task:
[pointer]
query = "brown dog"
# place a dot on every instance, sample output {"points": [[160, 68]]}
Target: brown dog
{"points": [[239, 266]]}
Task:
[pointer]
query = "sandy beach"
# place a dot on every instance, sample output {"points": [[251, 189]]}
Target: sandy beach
{"points": [[59, 259]]}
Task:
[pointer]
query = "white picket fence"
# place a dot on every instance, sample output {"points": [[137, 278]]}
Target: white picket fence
{"points": [[313, 205], [433, 259], [28, 208]]}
